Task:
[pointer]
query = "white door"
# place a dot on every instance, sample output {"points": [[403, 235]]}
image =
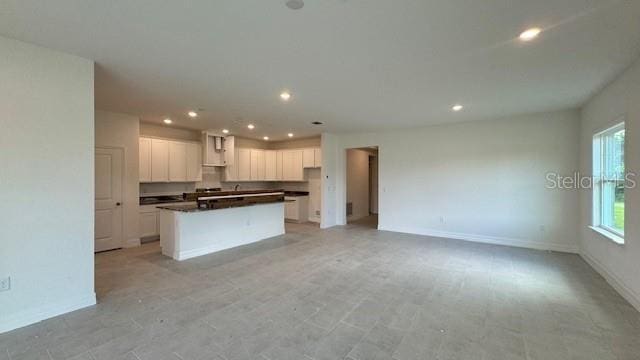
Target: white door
{"points": [[108, 197]]}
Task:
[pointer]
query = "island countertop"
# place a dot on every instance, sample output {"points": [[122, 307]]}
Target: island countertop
{"points": [[229, 199]]}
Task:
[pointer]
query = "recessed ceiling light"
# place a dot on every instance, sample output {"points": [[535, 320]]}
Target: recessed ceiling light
{"points": [[530, 34], [167, 121], [295, 4], [192, 114], [251, 127], [225, 131], [285, 95], [266, 138], [290, 134], [457, 107]]}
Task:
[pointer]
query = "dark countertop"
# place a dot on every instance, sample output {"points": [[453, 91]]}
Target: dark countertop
{"points": [[160, 199], [296, 193], [195, 208]]}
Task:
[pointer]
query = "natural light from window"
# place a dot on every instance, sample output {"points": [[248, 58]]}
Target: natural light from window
{"points": [[609, 185]]}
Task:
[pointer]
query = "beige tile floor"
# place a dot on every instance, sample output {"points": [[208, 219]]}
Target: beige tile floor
{"points": [[343, 293]]}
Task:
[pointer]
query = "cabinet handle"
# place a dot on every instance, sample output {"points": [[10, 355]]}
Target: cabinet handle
{"points": [[118, 204]]}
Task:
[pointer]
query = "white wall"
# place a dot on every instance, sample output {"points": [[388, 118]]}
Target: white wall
{"points": [[479, 181], [121, 131], [46, 177], [358, 183], [620, 264], [328, 174]]}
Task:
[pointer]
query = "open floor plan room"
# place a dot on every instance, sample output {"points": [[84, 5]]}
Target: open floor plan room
{"points": [[319, 180]]}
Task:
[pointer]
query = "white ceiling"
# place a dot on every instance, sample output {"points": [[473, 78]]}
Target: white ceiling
{"points": [[356, 65]]}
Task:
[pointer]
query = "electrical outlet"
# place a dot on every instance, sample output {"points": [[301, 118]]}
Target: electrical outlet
{"points": [[5, 284]]}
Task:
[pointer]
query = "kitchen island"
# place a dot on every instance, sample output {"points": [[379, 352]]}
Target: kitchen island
{"points": [[220, 221]]}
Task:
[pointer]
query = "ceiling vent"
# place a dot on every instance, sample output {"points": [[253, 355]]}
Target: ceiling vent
{"points": [[295, 4]]}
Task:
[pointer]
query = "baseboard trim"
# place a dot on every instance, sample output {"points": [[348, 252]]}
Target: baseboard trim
{"points": [[129, 243], [494, 240], [31, 316], [631, 296]]}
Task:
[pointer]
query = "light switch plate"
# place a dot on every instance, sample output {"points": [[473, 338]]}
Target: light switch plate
{"points": [[5, 284]]}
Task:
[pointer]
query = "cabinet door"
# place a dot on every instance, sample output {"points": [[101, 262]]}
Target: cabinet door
{"points": [[287, 162], [159, 160], [279, 165], [149, 224], [177, 161], [244, 164], [144, 153], [257, 165], [229, 150], [298, 166], [231, 170], [308, 158], [270, 164], [317, 155], [194, 162], [291, 210]]}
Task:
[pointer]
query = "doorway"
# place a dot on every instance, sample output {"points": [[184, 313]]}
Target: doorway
{"points": [[109, 173], [362, 187]]}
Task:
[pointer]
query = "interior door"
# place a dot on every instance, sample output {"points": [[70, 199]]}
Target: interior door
{"points": [[108, 198]]}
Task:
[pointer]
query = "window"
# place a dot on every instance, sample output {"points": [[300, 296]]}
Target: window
{"points": [[609, 182]]}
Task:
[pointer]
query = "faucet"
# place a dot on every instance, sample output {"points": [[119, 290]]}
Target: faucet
{"points": [[235, 188]]}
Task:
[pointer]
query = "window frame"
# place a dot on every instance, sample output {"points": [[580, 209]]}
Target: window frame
{"points": [[599, 181]]}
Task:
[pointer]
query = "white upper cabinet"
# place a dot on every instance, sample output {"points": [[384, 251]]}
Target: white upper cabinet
{"points": [[169, 161], [244, 164], [159, 160], [292, 169], [270, 164], [298, 168], [308, 158], [194, 162], [317, 157], [257, 165], [279, 175], [231, 170], [229, 150], [144, 153], [177, 161]]}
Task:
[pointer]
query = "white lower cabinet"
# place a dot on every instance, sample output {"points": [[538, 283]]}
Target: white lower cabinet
{"points": [[150, 220], [296, 208]]}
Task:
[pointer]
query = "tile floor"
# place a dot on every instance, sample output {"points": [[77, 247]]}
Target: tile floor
{"points": [[344, 293]]}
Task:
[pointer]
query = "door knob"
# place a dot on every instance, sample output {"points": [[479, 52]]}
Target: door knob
{"points": [[118, 204]]}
